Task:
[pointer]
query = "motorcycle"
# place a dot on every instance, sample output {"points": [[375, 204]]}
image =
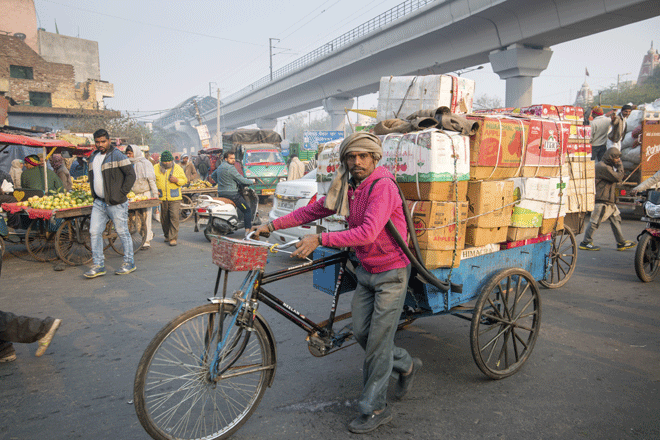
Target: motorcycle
{"points": [[647, 256], [219, 216]]}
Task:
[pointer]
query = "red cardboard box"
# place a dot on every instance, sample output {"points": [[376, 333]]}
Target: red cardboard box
{"points": [[496, 149], [546, 148], [546, 111]]}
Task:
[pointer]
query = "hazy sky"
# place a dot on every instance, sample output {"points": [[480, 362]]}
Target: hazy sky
{"points": [[159, 53]]}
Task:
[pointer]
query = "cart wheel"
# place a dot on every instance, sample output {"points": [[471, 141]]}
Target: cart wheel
{"points": [[136, 227], [187, 206], [506, 323], [39, 240], [2, 246], [73, 242], [563, 259]]}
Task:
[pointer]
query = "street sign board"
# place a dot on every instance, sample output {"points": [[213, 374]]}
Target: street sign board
{"points": [[312, 139]]}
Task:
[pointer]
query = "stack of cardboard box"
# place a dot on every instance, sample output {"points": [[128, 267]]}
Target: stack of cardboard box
{"points": [[510, 183]]}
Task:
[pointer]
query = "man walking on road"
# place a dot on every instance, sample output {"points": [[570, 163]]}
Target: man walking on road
{"points": [[609, 172], [369, 198], [111, 177], [228, 179]]}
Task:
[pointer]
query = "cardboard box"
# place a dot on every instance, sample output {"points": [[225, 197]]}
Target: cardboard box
{"points": [[496, 149], [542, 111], [434, 259], [437, 191], [571, 113], [548, 225], [577, 138], [427, 156], [485, 196], [579, 168], [528, 212], [400, 96], [482, 236], [545, 149], [580, 202], [435, 223], [517, 234]]}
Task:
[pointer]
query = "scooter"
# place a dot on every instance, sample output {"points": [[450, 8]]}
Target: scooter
{"points": [[647, 256], [219, 216]]}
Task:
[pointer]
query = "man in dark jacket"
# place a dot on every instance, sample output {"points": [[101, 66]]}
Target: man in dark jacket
{"points": [[609, 172], [228, 179], [111, 177]]}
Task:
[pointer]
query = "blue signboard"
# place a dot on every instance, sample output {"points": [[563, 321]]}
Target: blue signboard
{"points": [[312, 139]]}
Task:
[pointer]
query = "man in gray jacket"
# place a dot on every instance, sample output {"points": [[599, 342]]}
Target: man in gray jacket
{"points": [[609, 172], [228, 179]]}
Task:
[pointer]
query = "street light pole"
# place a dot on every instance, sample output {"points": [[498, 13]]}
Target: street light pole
{"points": [[270, 47], [218, 133]]}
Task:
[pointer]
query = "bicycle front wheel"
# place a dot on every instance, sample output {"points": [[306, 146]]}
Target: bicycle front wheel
{"points": [[175, 397]]}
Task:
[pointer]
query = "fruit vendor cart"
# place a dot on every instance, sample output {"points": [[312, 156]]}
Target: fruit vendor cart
{"points": [[64, 233], [189, 198]]}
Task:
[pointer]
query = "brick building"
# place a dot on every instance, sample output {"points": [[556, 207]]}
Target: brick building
{"points": [[43, 93]]}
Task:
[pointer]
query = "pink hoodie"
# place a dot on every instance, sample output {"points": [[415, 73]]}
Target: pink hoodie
{"points": [[369, 213]]}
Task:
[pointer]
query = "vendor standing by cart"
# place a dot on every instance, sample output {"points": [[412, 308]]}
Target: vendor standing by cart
{"points": [[170, 177], [369, 198], [33, 176]]}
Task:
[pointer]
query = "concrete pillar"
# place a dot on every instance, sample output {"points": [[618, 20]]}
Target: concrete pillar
{"points": [[335, 108], [266, 123], [518, 65]]}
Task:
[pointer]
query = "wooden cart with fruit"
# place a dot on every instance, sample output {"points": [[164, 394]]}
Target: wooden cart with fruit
{"points": [[64, 232], [190, 195]]}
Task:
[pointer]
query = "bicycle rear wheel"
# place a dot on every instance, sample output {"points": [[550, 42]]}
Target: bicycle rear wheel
{"points": [[174, 395]]}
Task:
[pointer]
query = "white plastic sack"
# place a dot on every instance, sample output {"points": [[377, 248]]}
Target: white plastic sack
{"points": [[631, 155], [634, 120], [7, 187], [629, 166], [627, 141]]}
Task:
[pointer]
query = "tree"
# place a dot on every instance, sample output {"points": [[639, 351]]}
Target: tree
{"points": [[648, 91], [486, 102], [123, 126]]}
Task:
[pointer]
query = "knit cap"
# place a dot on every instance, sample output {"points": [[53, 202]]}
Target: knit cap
{"points": [[33, 159], [166, 156]]}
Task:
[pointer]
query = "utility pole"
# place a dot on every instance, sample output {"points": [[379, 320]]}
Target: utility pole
{"points": [[618, 79], [270, 46], [218, 133]]}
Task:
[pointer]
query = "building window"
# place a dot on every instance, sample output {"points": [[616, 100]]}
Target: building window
{"points": [[21, 72], [40, 99]]}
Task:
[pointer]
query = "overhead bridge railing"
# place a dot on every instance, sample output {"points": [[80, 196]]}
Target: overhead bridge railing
{"points": [[346, 39]]}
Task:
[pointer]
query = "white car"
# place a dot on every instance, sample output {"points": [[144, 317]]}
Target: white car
{"points": [[289, 196]]}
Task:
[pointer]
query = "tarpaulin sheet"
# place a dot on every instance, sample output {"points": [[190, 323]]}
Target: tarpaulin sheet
{"points": [[251, 136]]}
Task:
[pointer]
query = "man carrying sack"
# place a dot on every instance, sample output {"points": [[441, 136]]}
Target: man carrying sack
{"points": [[369, 197]]}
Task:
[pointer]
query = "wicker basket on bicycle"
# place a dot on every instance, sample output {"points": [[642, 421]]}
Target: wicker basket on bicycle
{"points": [[237, 255]]}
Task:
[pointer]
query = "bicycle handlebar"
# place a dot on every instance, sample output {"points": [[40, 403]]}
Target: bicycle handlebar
{"points": [[273, 246]]}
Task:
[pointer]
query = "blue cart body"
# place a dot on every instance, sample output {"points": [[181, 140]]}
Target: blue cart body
{"points": [[473, 274]]}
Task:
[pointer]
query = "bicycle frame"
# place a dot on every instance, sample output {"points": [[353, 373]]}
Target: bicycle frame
{"points": [[252, 292]]}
